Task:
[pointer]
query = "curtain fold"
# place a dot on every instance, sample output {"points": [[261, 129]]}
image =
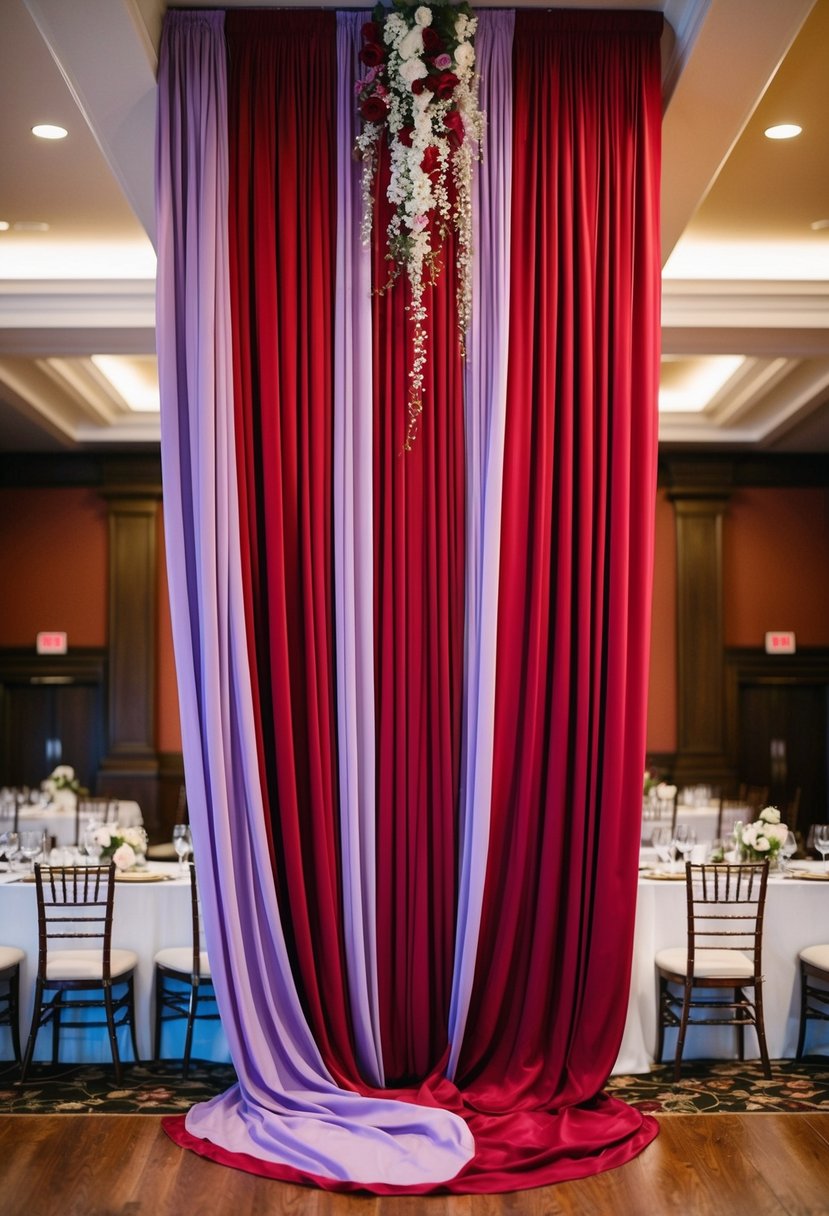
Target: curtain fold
{"points": [[412, 682]]}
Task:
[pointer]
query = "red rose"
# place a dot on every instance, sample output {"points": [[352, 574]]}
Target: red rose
{"points": [[371, 32], [430, 159], [372, 54], [373, 108], [444, 85], [404, 136], [419, 85], [454, 125], [431, 40]]}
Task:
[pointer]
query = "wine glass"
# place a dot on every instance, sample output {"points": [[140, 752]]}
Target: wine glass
{"points": [[183, 845], [662, 839], [31, 846], [92, 845], [9, 847], [685, 838], [788, 849], [822, 842]]}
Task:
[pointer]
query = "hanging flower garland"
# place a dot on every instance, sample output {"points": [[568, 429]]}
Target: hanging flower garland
{"points": [[420, 94]]}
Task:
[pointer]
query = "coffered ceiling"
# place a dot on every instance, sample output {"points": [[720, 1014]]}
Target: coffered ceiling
{"points": [[745, 224]]}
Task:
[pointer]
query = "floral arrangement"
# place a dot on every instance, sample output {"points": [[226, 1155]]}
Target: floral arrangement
{"points": [[60, 779], [763, 838], [123, 845], [649, 781], [419, 93]]}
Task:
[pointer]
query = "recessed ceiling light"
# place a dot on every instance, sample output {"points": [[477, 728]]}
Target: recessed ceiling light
{"points": [[4, 225], [785, 130], [47, 130], [30, 226], [819, 225]]}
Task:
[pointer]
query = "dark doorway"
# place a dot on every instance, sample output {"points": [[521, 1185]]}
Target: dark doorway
{"points": [[51, 712], [782, 741]]}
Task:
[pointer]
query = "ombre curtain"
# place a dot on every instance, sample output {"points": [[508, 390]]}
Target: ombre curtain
{"points": [[412, 683]]}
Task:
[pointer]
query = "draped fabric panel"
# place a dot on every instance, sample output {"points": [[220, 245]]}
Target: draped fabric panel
{"points": [[413, 682]]}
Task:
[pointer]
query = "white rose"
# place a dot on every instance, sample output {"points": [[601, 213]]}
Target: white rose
{"points": [[777, 831], [124, 857], [423, 15], [749, 835], [412, 44], [102, 836], [665, 791], [413, 69], [464, 55], [761, 844], [770, 814]]}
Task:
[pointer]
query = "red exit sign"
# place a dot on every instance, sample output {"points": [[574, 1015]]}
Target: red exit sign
{"points": [[52, 642], [780, 641]]}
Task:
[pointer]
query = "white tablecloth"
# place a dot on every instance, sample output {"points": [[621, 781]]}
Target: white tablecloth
{"points": [[797, 915], [60, 823], [148, 917]]}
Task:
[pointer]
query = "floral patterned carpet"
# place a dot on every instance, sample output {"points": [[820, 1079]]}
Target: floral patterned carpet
{"points": [[158, 1088], [728, 1087]]}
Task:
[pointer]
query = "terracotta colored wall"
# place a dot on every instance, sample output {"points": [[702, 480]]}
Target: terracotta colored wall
{"points": [[776, 565], [168, 726], [662, 688], [53, 550]]}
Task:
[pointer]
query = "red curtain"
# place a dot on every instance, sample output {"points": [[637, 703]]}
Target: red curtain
{"points": [[281, 99], [419, 626], [549, 1000], [550, 995]]}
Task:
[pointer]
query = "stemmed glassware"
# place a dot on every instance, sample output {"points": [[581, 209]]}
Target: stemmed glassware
{"points": [[822, 842], [787, 849], [183, 845], [92, 846], [31, 846], [9, 847], [662, 840], [685, 838]]}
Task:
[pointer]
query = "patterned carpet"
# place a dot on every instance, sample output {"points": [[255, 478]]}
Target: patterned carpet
{"points": [[158, 1089]]}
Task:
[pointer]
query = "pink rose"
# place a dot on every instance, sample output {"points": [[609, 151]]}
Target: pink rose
{"points": [[442, 62]]}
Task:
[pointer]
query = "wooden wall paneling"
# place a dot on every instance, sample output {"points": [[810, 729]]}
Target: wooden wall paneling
{"points": [[699, 505], [130, 768]]}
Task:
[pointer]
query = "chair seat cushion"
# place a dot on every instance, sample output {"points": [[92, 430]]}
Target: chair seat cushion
{"points": [[180, 958], [87, 964], [708, 964], [10, 956], [817, 956]]}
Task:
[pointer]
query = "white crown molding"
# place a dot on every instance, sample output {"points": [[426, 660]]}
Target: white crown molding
{"points": [[739, 304]]}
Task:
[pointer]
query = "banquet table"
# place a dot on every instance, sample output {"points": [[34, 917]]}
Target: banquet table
{"points": [[797, 915], [148, 916], [60, 823]]}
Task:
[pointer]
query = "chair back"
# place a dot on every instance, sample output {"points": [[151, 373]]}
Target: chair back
{"points": [[75, 903], [195, 920], [733, 811], [726, 904]]}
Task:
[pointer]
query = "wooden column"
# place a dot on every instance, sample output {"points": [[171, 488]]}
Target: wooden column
{"points": [[130, 768], [700, 496]]}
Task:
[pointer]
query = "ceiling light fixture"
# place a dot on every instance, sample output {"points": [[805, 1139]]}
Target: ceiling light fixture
{"points": [[784, 130], [4, 225], [819, 225], [47, 130], [30, 226]]}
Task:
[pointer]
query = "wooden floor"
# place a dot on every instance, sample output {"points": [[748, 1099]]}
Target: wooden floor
{"points": [[699, 1165]]}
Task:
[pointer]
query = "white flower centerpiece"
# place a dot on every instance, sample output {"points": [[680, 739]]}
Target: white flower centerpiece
{"points": [[419, 95], [762, 839], [127, 847], [62, 787]]}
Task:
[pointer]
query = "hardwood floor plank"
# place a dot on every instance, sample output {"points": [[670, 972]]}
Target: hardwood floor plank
{"points": [[699, 1165]]}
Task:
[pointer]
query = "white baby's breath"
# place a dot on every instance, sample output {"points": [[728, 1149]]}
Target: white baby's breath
{"points": [[422, 98]]}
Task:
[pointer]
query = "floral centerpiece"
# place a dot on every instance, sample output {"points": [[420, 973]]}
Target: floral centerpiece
{"points": [[419, 94], [763, 838], [127, 847], [62, 787]]}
